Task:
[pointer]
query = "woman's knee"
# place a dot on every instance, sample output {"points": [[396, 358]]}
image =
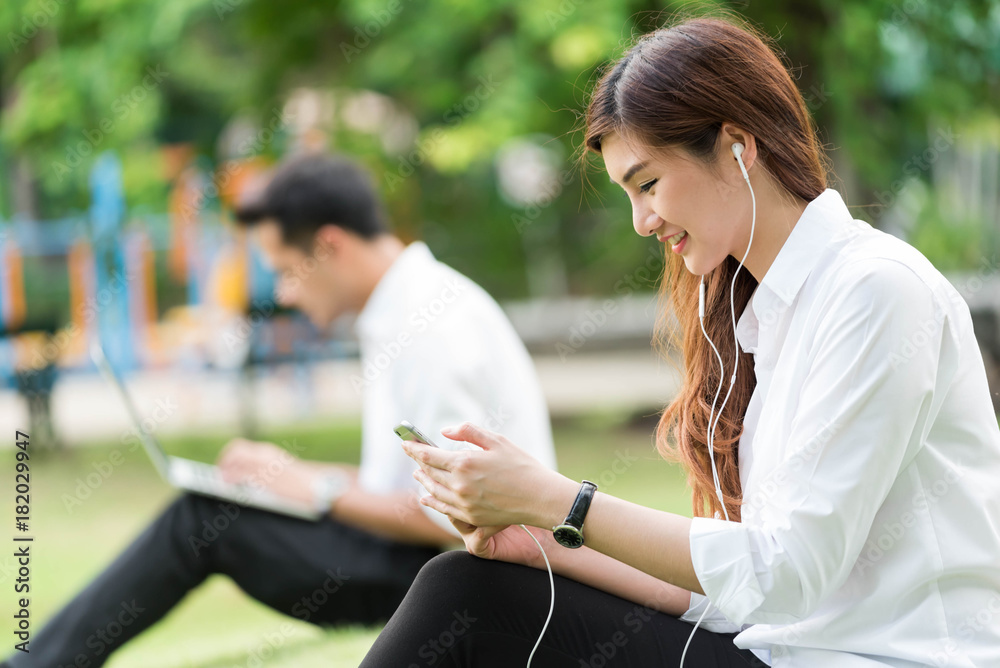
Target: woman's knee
{"points": [[456, 575], [457, 578], [451, 566]]}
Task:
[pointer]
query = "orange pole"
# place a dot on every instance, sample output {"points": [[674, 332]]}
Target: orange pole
{"points": [[15, 280]]}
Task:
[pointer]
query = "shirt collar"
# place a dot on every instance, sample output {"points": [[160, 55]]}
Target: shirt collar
{"points": [[820, 221], [379, 310]]}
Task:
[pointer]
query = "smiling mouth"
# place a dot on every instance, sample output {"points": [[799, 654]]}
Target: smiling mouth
{"points": [[676, 239]]}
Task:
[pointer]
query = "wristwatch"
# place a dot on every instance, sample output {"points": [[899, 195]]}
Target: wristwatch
{"points": [[328, 488], [570, 532]]}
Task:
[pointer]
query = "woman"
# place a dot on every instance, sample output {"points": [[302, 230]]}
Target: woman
{"points": [[853, 512]]}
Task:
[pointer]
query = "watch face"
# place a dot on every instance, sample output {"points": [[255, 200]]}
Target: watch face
{"points": [[568, 536]]}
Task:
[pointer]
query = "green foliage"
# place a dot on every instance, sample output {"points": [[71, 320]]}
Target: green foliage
{"points": [[947, 244], [80, 78]]}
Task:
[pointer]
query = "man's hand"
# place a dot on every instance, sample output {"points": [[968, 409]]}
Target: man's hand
{"points": [[265, 465]]}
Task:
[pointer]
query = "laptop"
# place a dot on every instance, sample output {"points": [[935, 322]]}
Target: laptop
{"points": [[193, 476]]}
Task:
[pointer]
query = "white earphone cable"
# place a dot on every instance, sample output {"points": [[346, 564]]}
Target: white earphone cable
{"points": [[732, 381], [711, 424], [552, 601]]}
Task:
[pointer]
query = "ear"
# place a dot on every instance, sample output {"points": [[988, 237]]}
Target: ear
{"points": [[331, 237], [731, 134]]}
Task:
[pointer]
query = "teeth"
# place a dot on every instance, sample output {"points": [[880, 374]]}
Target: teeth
{"points": [[674, 240]]}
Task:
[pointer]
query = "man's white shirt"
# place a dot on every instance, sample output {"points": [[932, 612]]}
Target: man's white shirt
{"points": [[869, 464], [437, 350]]}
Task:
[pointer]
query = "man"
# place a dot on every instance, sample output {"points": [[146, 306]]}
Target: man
{"points": [[435, 350]]}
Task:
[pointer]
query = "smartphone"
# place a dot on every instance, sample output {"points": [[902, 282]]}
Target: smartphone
{"points": [[406, 431]]}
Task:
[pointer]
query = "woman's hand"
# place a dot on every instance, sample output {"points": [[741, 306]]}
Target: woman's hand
{"points": [[509, 543], [498, 486]]}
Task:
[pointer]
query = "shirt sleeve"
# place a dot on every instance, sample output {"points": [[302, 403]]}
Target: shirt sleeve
{"points": [[882, 345]]}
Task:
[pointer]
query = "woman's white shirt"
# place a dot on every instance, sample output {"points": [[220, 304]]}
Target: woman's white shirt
{"points": [[869, 463]]}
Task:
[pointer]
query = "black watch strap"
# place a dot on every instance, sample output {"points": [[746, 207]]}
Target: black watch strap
{"points": [[582, 504]]}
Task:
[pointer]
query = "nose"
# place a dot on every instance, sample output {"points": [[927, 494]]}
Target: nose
{"points": [[644, 219]]}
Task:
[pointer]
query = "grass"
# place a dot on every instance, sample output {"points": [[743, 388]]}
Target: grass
{"points": [[217, 624]]}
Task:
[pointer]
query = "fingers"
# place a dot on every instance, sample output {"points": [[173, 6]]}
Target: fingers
{"points": [[242, 458], [231, 460], [444, 508], [474, 434], [463, 528], [231, 447], [429, 456], [437, 490]]}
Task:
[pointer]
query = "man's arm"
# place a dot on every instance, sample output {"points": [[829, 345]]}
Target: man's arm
{"points": [[396, 516]]}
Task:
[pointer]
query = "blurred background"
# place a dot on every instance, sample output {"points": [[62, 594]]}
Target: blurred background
{"points": [[128, 129]]}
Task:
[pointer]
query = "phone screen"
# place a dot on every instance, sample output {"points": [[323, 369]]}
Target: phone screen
{"points": [[406, 431]]}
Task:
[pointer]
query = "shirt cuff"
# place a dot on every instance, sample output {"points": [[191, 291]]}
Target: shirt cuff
{"points": [[713, 620], [721, 555]]}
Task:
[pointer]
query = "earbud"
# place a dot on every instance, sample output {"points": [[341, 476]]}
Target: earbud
{"points": [[737, 153]]}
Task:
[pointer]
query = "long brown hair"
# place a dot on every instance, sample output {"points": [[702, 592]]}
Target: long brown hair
{"points": [[673, 89]]}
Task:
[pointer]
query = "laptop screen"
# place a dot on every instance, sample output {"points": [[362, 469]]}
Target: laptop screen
{"points": [[152, 446]]}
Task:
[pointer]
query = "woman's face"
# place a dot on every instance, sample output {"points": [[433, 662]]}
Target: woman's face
{"points": [[673, 193]]}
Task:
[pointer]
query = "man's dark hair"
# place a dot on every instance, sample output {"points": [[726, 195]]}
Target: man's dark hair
{"points": [[309, 191]]}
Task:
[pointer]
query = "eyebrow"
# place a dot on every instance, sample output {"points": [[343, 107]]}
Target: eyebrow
{"points": [[631, 172]]}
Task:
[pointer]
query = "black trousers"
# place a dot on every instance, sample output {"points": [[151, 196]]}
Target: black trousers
{"points": [[463, 611], [321, 572]]}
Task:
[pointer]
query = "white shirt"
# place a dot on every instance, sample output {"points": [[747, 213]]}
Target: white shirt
{"points": [[437, 350], [870, 464]]}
